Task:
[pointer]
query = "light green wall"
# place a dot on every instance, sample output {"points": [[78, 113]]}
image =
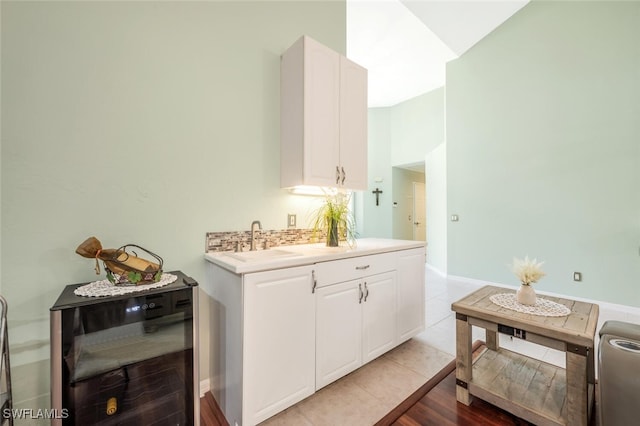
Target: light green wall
{"points": [[137, 122], [436, 187], [375, 221], [543, 149], [399, 135], [417, 126]]}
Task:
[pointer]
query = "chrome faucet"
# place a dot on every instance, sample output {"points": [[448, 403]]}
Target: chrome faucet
{"points": [[253, 233]]}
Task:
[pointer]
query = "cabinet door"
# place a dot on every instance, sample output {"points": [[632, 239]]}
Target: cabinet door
{"points": [[378, 315], [353, 124], [279, 342], [338, 331], [321, 114], [411, 296]]}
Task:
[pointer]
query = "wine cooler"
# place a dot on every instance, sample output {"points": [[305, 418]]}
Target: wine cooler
{"points": [[128, 359]]}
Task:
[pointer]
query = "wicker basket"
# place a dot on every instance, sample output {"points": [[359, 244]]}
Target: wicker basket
{"points": [[122, 265]]}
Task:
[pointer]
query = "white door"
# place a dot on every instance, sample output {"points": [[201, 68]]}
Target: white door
{"points": [[378, 315], [419, 212], [411, 295], [338, 331], [279, 347]]}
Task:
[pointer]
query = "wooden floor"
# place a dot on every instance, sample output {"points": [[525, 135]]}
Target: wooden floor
{"points": [[440, 408], [210, 414]]}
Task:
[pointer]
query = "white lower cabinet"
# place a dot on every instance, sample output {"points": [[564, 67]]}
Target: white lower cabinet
{"points": [[411, 296], [378, 316], [279, 341], [355, 323], [338, 331], [278, 336]]}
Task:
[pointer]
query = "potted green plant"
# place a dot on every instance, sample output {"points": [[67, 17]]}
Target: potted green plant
{"points": [[334, 217]]}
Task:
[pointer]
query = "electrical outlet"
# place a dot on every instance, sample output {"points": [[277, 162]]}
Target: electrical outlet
{"points": [[454, 218], [291, 220], [577, 276]]}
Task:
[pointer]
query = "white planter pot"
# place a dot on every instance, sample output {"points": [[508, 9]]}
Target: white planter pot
{"points": [[526, 295]]}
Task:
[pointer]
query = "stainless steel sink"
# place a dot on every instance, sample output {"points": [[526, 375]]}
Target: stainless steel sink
{"points": [[253, 256]]}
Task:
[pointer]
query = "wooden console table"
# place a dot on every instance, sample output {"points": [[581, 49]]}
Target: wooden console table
{"points": [[536, 391]]}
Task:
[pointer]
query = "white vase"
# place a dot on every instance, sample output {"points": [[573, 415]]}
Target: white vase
{"points": [[526, 295]]}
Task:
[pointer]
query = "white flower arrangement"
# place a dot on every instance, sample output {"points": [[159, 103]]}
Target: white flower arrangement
{"points": [[527, 270]]}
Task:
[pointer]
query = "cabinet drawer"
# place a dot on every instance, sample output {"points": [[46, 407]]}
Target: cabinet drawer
{"points": [[337, 271]]}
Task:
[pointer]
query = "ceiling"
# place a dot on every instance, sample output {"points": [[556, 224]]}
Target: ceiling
{"points": [[405, 44]]}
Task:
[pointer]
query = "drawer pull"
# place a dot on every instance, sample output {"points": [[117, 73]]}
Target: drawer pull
{"points": [[512, 331], [361, 268]]}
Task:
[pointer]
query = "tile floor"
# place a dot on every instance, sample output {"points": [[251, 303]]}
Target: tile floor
{"points": [[367, 394]]}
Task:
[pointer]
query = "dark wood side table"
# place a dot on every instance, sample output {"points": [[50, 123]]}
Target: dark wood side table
{"points": [[534, 390]]}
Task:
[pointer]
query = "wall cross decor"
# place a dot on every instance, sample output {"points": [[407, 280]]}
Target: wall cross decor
{"points": [[377, 192]]}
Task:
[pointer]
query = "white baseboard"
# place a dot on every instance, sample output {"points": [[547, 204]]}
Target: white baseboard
{"points": [[205, 386], [436, 270], [613, 307]]}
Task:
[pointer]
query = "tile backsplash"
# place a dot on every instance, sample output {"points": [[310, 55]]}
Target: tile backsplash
{"points": [[241, 240]]}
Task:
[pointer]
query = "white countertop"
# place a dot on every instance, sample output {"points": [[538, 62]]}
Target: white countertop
{"points": [[305, 254]]}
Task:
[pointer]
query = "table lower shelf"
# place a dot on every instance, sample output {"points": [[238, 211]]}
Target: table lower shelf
{"points": [[528, 388]]}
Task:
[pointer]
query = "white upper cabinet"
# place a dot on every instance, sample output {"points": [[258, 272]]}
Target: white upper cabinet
{"points": [[323, 118], [353, 125]]}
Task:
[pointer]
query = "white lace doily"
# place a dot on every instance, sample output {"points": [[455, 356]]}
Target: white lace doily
{"points": [[106, 288], [543, 307]]}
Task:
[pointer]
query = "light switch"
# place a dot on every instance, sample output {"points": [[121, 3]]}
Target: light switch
{"points": [[577, 276], [454, 218]]}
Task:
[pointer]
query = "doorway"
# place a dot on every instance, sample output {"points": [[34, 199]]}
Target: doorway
{"points": [[408, 192], [419, 212]]}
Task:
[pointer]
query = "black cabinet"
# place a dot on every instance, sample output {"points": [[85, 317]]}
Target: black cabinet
{"points": [[130, 359]]}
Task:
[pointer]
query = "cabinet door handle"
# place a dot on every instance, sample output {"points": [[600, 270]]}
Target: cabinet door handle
{"points": [[337, 175], [360, 292], [361, 268], [344, 175], [367, 291], [315, 281]]}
